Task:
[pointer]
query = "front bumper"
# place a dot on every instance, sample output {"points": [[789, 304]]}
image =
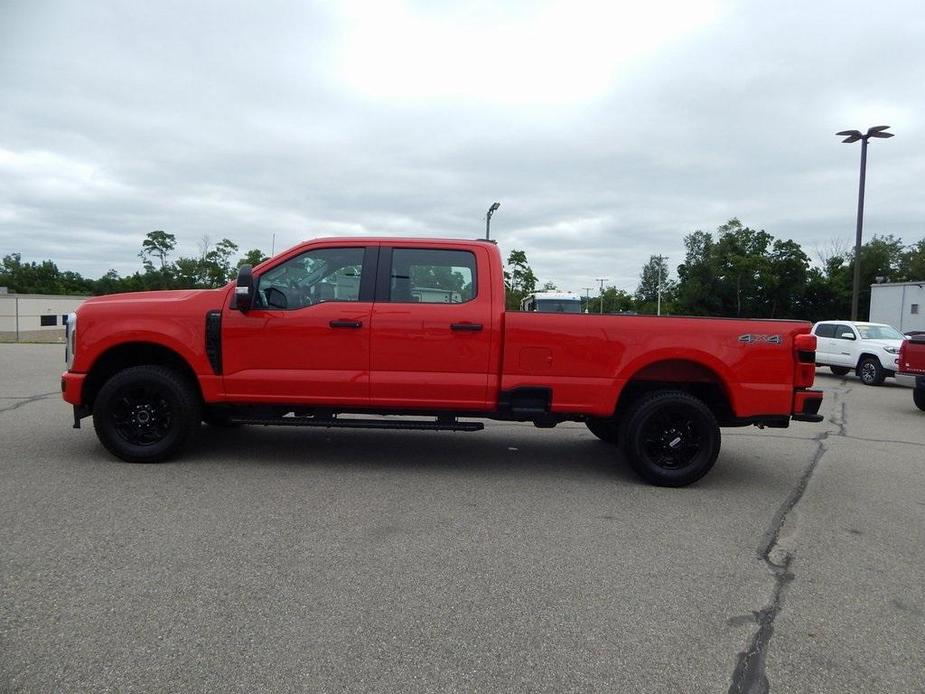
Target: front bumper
{"points": [[72, 385], [806, 406]]}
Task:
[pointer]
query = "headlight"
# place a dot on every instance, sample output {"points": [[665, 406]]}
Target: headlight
{"points": [[892, 350], [70, 339]]}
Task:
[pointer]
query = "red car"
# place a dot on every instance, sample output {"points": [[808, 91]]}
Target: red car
{"points": [[417, 327], [912, 366]]}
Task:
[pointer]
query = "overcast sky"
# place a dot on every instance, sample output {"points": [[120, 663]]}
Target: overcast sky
{"points": [[607, 130]]}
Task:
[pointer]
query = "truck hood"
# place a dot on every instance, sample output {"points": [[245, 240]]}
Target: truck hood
{"points": [[164, 296]]}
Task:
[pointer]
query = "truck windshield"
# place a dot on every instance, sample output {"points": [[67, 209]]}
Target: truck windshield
{"points": [[879, 332], [558, 306]]}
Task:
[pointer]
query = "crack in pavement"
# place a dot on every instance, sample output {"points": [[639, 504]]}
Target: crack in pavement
{"points": [[26, 401], [749, 676]]}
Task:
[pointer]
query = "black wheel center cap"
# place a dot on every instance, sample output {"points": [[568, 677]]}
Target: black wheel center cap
{"points": [[672, 438], [143, 414]]}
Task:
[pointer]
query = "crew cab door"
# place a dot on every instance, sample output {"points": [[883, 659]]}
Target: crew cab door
{"points": [[844, 346], [431, 329], [306, 339], [825, 339]]}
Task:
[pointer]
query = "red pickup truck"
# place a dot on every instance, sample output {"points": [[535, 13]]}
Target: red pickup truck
{"points": [[912, 364], [338, 332]]}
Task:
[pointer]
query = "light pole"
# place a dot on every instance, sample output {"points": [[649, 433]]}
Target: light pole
{"points": [[854, 136], [658, 310], [491, 211], [587, 298], [601, 280]]}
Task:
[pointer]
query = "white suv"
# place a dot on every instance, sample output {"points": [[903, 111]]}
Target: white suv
{"points": [[870, 349]]}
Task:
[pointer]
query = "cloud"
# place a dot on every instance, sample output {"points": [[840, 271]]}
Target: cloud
{"points": [[608, 131]]}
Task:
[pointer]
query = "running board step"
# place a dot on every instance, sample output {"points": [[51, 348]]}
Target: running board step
{"points": [[337, 423]]}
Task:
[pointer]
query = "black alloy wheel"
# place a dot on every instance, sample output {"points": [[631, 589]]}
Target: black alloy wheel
{"points": [[145, 414], [870, 372], [671, 438]]}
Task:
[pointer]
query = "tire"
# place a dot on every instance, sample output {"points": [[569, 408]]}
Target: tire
{"points": [[918, 397], [839, 370], [671, 438], [604, 429], [870, 372], [145, 414]]}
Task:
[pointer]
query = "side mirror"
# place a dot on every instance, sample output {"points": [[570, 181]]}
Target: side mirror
{"points": [[847, 336], [244, 289]]}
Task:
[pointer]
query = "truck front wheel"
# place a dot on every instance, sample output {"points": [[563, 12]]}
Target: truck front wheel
{"points": [[870, 371], [671, 438], [145, 414]]}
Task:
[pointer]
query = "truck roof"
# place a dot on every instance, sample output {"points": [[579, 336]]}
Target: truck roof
{"points": [[396, 239]]}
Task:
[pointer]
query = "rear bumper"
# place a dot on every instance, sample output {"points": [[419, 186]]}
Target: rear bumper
{"points": [[72, 385], [806, 406]]}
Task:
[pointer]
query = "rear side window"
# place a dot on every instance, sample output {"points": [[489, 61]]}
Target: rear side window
{"points": [[827, 330], [432, 276]]}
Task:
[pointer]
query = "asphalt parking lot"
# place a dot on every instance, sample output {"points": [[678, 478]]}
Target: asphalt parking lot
{"points": [[514, 559]]}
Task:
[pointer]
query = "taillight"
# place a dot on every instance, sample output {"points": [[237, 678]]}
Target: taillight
{"points": [[804, 345]]}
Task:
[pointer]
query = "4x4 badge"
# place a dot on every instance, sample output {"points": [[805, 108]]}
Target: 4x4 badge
{"points": [[769, 339]]}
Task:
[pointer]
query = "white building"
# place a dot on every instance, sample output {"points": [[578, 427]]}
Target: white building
{"points": [[900, 304], [35, 317]]}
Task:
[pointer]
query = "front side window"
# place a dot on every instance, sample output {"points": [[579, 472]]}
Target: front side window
{"points": [[431, 276], [844, 332], [314, 277]]}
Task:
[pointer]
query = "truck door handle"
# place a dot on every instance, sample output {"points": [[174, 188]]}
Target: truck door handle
{"points": [[346, 324], [470, 327]]}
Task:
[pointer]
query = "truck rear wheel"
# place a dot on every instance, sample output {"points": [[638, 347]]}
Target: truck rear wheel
{"points": [[671, 438], [870, 372], [604, 429], [918, 397], [145, 414]]}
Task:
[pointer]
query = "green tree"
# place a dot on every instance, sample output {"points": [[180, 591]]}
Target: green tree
{"points": [[785, 279], [253, 258], [218, 263], [40, 278], [741, 259], [614, 301], [157, 244], [190, 273], [698, 277], [912, 263], [647, 293], [519, 279], [109, 283], [742, 272]]}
